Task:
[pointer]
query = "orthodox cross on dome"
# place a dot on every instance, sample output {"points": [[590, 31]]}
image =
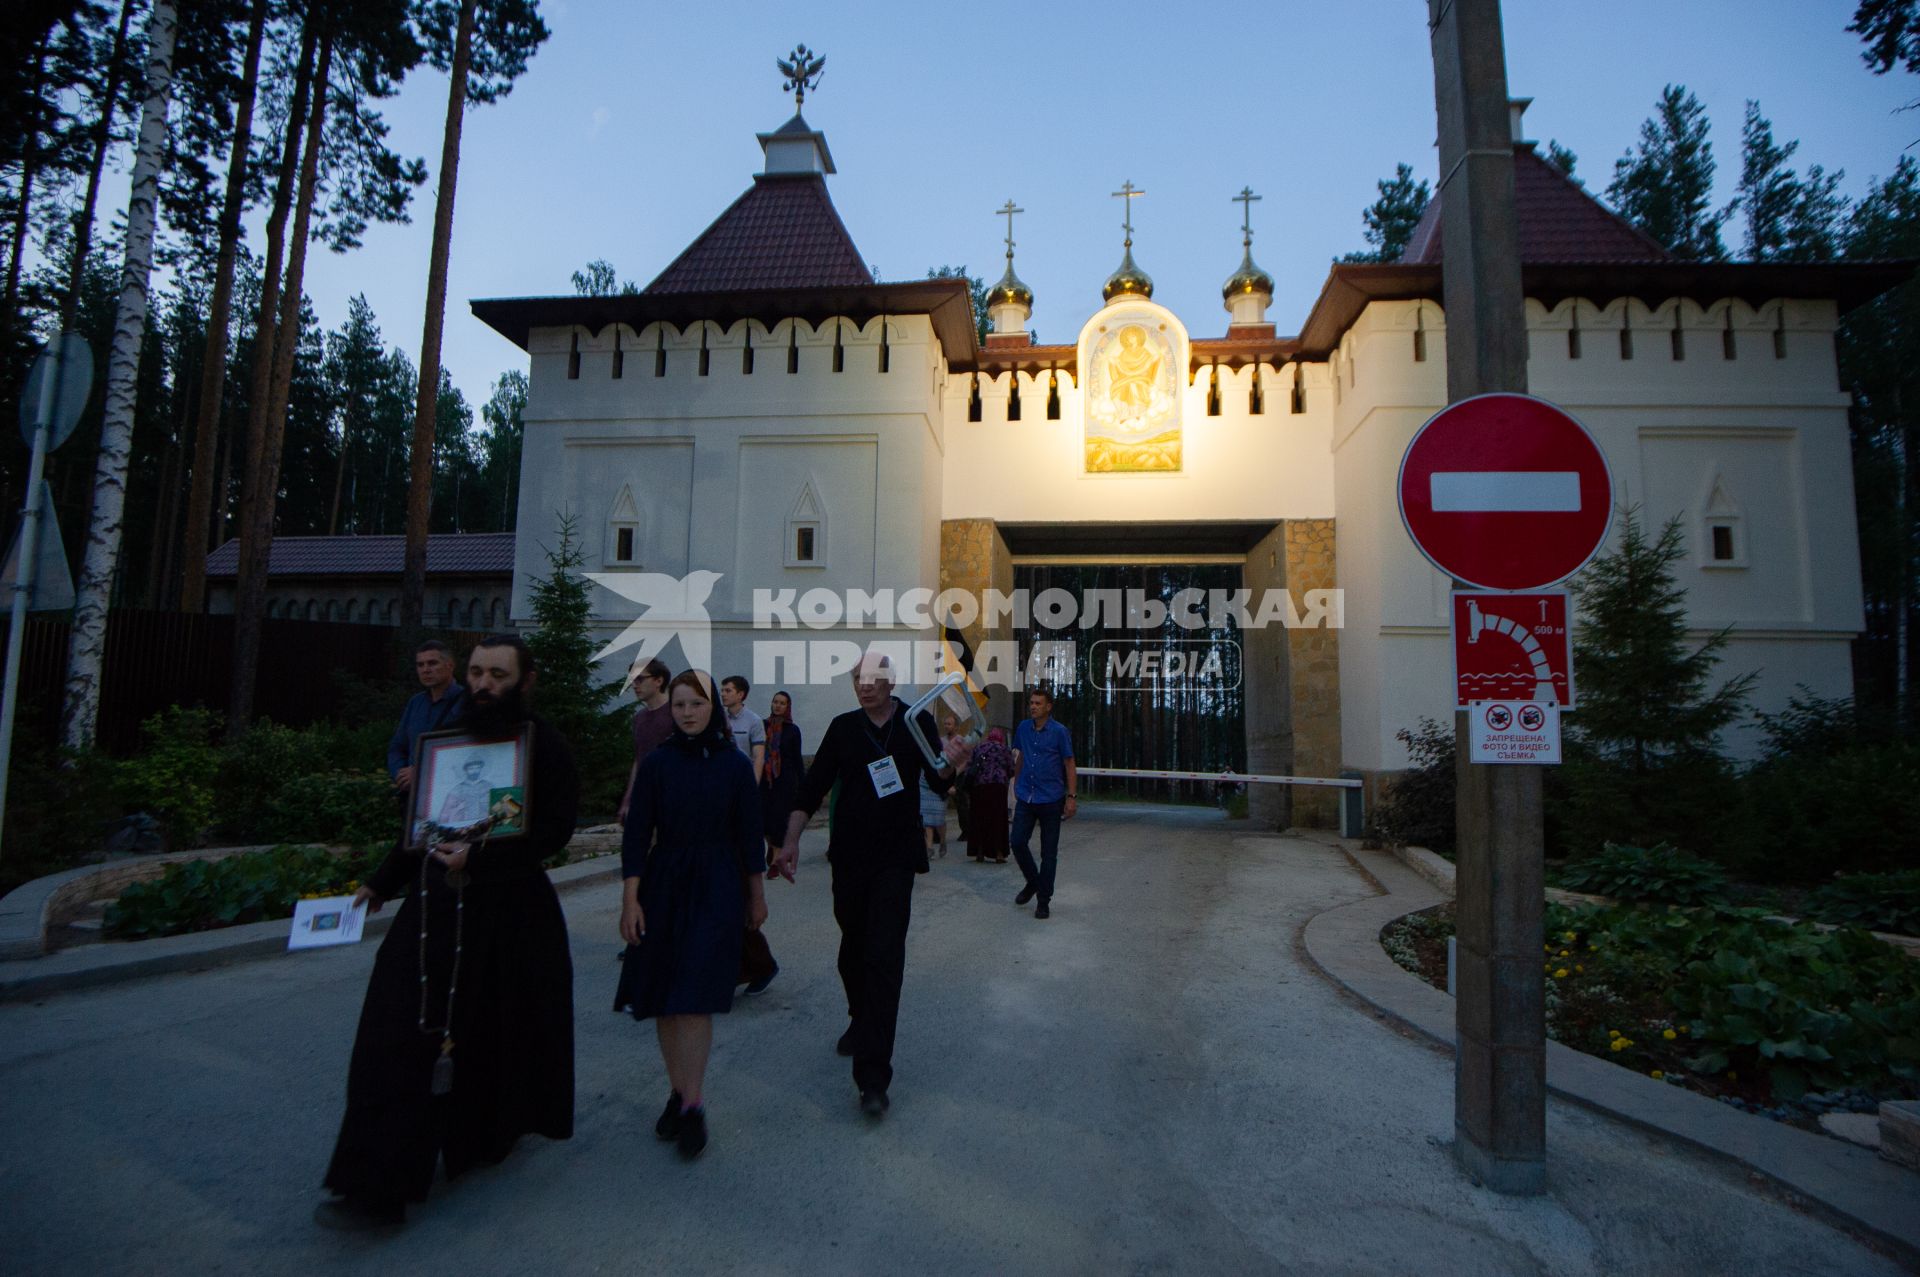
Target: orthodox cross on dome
{"points": [[1008, 210], [1127, 192], [1246, 199], [802, 71]]}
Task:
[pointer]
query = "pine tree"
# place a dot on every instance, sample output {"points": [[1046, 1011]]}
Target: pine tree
{"points": [[1789, 218], [1643, 762], [1390, 220], [1666, 186], [504, 412]]}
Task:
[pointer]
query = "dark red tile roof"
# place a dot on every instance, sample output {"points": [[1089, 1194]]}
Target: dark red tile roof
{"points": [[1559, 222], [448, 554], [783, 233]]}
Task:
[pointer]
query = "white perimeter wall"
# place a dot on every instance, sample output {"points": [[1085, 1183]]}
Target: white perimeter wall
{"points": [[1770, 430]]}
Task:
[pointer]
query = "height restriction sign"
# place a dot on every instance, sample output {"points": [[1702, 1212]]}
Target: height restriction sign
{"points": [[1511, 647], [1505, 492]]}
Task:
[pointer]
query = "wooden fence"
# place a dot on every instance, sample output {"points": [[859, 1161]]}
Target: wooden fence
{"points": [[157, 659]]}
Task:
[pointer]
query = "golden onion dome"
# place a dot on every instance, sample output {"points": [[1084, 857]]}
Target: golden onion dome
{"points": [[1128, 281], [1010, 290], [1248, 279]]}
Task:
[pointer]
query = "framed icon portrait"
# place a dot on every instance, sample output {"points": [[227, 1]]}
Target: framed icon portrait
{"points": [[462, 780]]}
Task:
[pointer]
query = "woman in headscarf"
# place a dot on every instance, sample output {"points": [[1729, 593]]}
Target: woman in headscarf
{"points": [[987, 797], [691, 868], [780, 779]]}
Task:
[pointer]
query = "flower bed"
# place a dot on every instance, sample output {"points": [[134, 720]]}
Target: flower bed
{"points": [[201, 895], [1783, 1018]]}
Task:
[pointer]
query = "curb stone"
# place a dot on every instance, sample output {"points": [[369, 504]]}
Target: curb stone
{"points": [[1849, 1184], [110, 963]]}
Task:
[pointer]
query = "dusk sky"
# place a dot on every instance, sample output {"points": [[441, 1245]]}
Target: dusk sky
{"points": [[634, 127]]}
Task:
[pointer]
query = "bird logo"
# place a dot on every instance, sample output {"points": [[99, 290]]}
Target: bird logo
{"points": [[673, 607]]}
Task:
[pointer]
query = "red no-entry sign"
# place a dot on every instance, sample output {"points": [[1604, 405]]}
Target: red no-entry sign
{"points": [[1505, 492]]}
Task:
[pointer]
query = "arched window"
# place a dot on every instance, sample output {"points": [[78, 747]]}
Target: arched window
{"points": [[806, 531], [623, 531]]}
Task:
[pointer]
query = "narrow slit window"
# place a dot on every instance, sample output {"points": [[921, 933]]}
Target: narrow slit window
{"points": [[660, 352], [1256, 398], [1213, 391], [1679, 341], [1626, 341], [1299, 397], [619, 355], [803, 543], [1573, 336], [839, 349], [573, 359], [1780, 337], [973, 399], [623, 544], [1053, 395], [886, 351], [1726, 337], [746, 352], [1722, 543], [1013, 396], [793, 348], [704, 354]]}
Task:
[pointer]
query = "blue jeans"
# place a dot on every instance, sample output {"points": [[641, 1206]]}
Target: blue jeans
{"points": [[1048, 817]]}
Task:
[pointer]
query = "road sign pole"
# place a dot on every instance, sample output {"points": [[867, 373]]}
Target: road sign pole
{"points": [[1500, 1008], [28, 560]]}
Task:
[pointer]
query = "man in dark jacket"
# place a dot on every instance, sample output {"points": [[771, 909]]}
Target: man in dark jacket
{"points": [[441, 701], [875, 849], [466, 1035]]}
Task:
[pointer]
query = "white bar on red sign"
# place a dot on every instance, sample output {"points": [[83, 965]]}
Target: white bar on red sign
{"points": [[1504, 491]]}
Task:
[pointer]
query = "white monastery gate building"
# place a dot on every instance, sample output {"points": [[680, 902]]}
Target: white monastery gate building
{"points": [[767, 411]]}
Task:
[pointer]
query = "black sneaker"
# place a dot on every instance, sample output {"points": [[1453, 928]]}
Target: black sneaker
{"points": [[359, 1215], [1026, 894], [875, 1103], [693, 1133], [668, 1127], [758, 987], [845, 1045], [1042, 911]]}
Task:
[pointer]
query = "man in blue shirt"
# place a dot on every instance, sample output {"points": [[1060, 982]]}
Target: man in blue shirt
{"points": [[430, 710], [1044, 786]]}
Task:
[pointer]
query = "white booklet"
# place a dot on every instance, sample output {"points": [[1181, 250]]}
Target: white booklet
{"points": [[335, 920]]}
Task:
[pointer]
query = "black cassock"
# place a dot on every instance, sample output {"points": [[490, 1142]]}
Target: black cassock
{"points": [[512, 1013]]}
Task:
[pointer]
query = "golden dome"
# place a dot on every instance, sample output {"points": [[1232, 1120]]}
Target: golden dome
{"points": [[1248, 279], [1128, 281], [1010, 290]]}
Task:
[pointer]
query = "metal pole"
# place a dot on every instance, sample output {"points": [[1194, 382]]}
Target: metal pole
{"points": [[1500, 1071], [28, 560]]}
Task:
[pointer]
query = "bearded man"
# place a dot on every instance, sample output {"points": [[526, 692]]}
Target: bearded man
{"points": [[466, 1035]]}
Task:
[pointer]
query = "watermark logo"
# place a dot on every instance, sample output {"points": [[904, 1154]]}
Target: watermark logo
{"points": [[1057, 620]]}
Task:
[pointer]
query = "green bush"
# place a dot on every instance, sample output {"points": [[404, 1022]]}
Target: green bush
{"points": [[1662, 873], [200, 895], [1755, 997], [1418, 808], [59, 808], [173, 776], [1878, 902], [336, 807], [1852, 811]]}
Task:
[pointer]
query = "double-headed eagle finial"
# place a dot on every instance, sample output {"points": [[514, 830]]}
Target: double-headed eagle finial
{"points": [[802, 71]]}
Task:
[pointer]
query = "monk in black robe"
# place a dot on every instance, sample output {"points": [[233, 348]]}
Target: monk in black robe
{"points": [[511, 1023]]}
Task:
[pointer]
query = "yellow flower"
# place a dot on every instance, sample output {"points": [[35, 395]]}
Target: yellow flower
{"points": [[1616, 1044], [1579, 968], [1657, 1075], [1685, 1029], [1668, 1034], [1563, 953], [1593, 948], [1561, 974], [1567, 936], [1613, 1033], [1732, 1076]]}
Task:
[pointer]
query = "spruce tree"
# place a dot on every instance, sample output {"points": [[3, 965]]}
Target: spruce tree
{"points": [[1643, 763], [566, 693]]}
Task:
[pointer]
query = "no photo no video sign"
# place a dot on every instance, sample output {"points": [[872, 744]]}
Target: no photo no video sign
{"points": [[1513, 732]]}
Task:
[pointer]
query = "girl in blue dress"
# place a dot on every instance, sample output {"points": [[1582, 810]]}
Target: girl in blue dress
{"points": [[691, 866]]}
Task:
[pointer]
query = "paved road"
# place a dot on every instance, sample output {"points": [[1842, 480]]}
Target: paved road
{"points": [[1149, 1082]]}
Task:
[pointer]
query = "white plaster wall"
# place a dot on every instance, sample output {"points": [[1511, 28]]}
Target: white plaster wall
{"points": [[1234, 466], [1774, 428], [716, 463]]}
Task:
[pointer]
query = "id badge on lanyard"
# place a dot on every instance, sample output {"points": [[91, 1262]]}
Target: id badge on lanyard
{"points": [[886, 776]]}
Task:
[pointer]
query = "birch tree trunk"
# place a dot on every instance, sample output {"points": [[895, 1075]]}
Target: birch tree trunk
{"points": [[413, 580], [213, 368], [87, 647]]}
